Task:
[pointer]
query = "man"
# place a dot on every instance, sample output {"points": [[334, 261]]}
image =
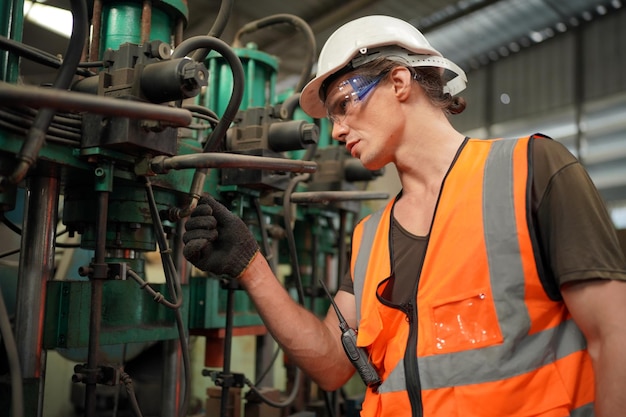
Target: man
{"points": [[492, 285]]}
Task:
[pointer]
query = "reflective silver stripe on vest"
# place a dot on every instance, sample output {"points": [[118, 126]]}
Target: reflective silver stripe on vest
{"points": [[360, 267], [505, 266]]}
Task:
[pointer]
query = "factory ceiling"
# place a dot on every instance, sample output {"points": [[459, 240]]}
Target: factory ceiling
{"points": [[469, 32]]}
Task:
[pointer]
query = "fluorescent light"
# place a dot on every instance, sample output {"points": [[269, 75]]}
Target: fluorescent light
{"points": [[54, 19]]}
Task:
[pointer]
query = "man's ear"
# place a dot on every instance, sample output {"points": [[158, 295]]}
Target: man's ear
{"points": [[401, 78]]}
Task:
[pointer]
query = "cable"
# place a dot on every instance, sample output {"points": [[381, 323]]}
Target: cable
{"points": [[214, 141], [25, 115], [264, 235], [8, 223], [223, 16], [116, 397], [17, 394], [9, 253], [166, 258], [296, 270], [37, 133], [328, 402], [156, 295], [19, 123], [49, 137], [176, 291], [203, 113], [130, 390], [291, 241], [44, 58], [236, 67], [298, 23], [288, 400], [260, 378]]}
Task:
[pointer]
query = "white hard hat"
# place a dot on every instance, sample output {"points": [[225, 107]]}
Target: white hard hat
{"points": [[367, 38]]}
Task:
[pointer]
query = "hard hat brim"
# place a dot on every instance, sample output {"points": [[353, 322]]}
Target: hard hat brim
{"points": [[310, 100]]}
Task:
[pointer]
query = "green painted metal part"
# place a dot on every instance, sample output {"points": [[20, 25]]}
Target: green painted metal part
{"points": [[129, 314], [260, 72], [11, 26], [121, 22], [208, 306]]}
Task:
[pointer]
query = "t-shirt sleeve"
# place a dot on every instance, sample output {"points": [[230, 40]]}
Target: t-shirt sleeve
{"points": [[346, 283], [576, 235]]}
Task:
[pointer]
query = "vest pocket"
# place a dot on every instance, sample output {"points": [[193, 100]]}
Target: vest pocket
{"points": [[468, 321]]}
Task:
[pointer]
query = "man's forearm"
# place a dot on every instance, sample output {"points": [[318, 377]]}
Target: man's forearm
{"points": [[312, 345], [610, 371]]}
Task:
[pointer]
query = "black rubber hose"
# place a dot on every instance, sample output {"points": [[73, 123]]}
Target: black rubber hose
{"points": [[298, 23], [223, 16], [197, 42], [291, 240], [283, 404], [174, 286], [44, 58]]}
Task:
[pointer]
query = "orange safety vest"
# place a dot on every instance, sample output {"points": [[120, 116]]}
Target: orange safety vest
{"points": [[485, 339]]}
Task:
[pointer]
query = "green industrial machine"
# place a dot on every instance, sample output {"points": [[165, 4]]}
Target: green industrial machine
{"points": [[115, 154]]}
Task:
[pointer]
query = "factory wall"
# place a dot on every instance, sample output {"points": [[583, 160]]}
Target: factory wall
{"points": [[571, 87]]}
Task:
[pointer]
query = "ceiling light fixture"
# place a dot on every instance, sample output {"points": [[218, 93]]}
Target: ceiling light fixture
{"points": [[54, 19]]}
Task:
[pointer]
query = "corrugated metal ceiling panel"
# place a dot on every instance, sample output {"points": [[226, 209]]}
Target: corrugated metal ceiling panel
{"points": [[469, 32], [507, 24]]}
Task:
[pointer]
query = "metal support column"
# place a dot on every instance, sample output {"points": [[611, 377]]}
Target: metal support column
{"points": [[36, 267]]}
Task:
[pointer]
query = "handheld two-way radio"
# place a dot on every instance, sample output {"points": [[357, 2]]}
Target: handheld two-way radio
{"points": [[357, 355]]}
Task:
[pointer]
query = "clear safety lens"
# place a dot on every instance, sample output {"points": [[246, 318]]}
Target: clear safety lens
{"points": [[349, 93]]}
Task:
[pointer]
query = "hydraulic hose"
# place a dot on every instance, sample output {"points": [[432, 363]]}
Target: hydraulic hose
{"points": [[298, 23], [236, 67], [288, 400], [295, 265], [175, 289], [203, 45], [37, 133], [223, 16], [42, 57]]}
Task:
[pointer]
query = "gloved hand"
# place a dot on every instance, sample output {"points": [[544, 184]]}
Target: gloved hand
{"points": [[217, 241]]}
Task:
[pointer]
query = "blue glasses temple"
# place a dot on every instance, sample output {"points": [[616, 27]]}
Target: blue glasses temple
{"points": [[362, 86]]}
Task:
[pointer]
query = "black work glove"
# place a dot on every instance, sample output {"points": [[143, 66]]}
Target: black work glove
{"points": [[217, 241]]}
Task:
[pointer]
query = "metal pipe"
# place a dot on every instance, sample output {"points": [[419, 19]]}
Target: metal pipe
{"points": [[162, 164], [38, 97], [96, 26], [325, 197], [228, 339], [171, 387], [97, 283], [146, 21], [36, 268]]}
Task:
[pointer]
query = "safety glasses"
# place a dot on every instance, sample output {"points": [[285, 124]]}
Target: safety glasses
{"points": [[348, 94]]}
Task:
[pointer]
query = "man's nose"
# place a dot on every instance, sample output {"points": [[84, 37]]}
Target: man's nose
{"points": [[339, 131]]}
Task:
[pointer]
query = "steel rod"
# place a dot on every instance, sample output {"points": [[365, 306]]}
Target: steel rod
{"points": [[39, 97]]}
